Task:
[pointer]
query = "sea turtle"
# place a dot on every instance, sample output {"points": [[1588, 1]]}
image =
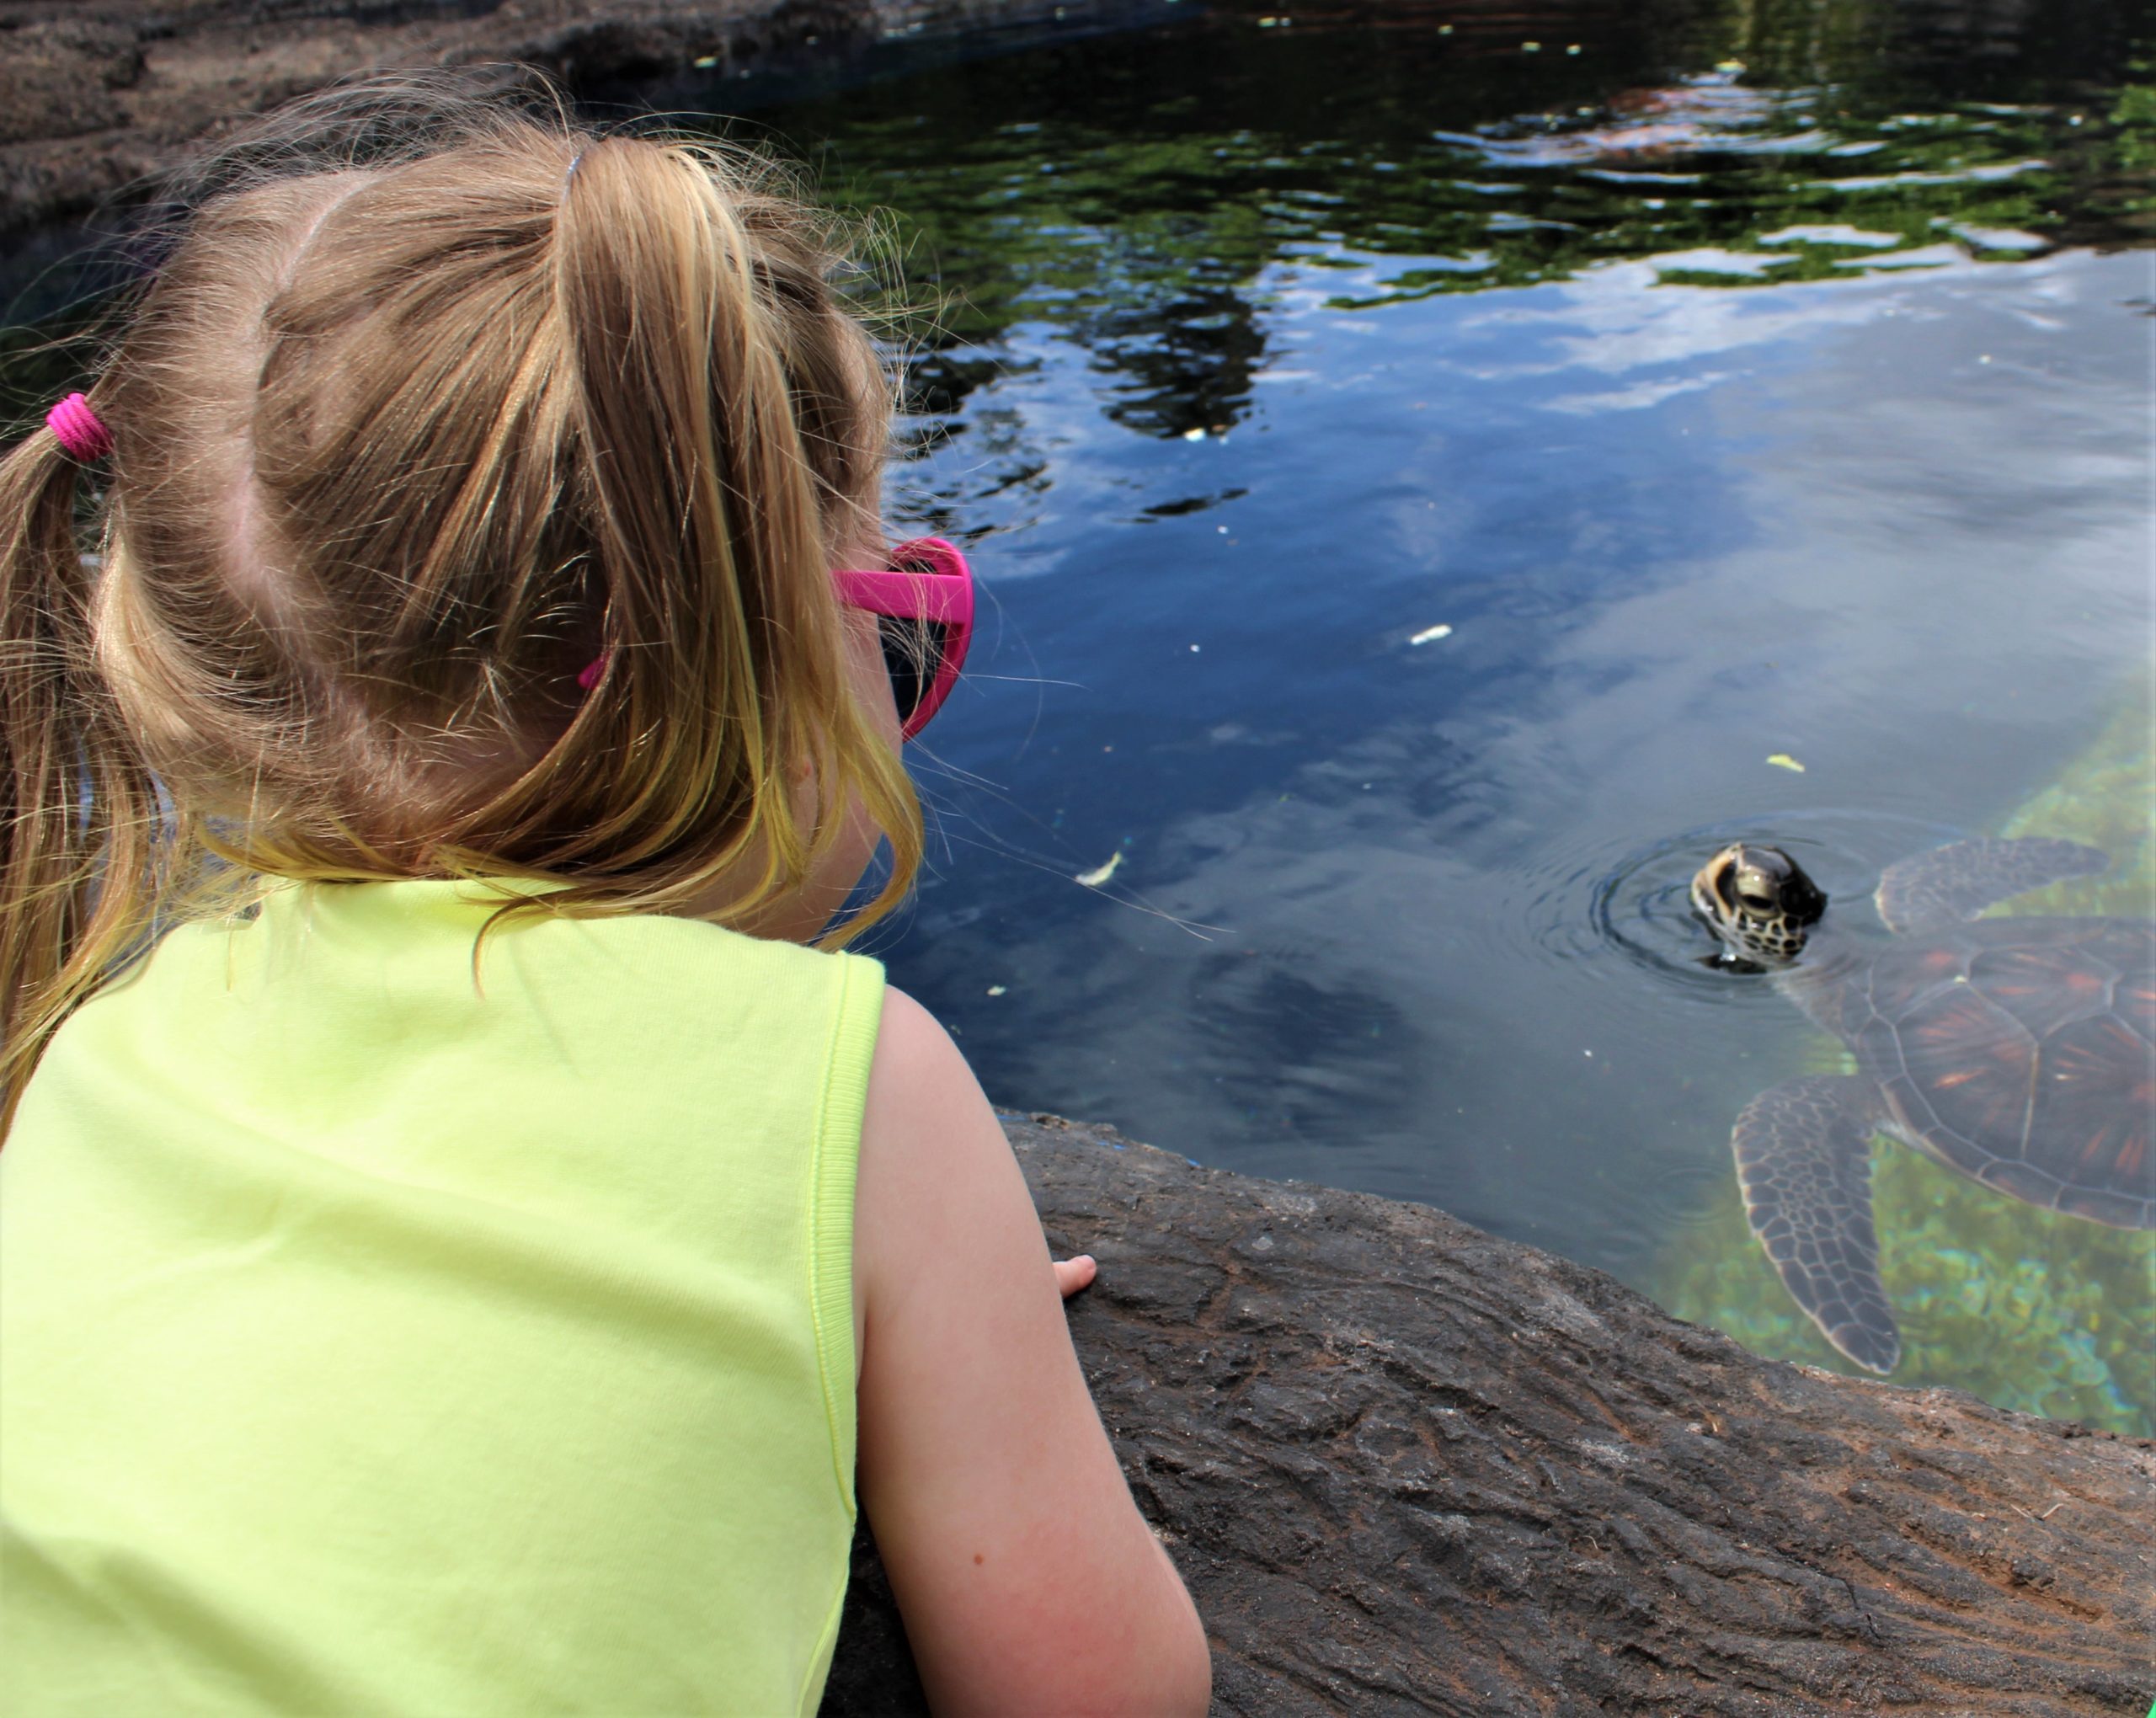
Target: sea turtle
{"points": [[2020, 1052]]}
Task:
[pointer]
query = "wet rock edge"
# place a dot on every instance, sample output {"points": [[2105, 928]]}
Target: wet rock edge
{"points": [[1408, 1467]]}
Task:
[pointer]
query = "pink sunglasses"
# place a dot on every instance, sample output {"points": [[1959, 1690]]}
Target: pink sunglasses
{"points": [[924, 610], [924, 607]]}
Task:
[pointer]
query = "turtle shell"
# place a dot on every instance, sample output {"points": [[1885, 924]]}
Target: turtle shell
{"points": [[2022, 1052]]}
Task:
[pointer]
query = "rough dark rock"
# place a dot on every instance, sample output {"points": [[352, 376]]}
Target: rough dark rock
{"points": [[64, 78], [1408, 1467], [100, 94]]}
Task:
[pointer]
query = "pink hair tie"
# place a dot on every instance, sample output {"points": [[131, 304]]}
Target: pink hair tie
{"points": [[79, 428]]}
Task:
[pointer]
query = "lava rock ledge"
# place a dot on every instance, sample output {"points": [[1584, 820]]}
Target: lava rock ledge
{"points": [[102, 96], [1406, 1467]]}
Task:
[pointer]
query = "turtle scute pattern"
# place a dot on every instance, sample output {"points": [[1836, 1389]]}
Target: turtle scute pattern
{"points": [[2022, 1053]]}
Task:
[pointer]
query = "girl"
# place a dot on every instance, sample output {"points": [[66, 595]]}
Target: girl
{"points": [[460, 1245]]}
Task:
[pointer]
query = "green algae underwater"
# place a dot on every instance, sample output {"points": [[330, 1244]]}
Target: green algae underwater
{"points": [[2025, 1309]]}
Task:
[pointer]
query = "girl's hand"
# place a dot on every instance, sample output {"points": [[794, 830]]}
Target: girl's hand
{"points": [[1072, 1275]]}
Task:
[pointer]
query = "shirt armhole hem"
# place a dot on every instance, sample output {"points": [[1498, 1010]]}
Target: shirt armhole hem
{"points": [[859, 1014]]}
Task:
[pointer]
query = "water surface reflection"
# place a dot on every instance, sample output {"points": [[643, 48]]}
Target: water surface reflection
{"points": [[1723, 412]]}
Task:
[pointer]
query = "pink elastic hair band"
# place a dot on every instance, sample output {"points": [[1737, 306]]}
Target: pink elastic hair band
{"points": [[79, 428]]}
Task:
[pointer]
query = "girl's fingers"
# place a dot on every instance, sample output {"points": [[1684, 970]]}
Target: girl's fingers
{"points": [[1073, 1274]]}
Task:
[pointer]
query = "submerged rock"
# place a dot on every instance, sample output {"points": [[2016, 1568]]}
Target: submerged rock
{"points": [[1408, 1467]]}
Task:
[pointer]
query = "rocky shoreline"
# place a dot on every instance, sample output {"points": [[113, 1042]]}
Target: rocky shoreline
{"points": [[1406, 1467], [102, 94]]}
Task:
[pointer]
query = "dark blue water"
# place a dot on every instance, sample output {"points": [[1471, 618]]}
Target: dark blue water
{"points": [[1745, 405], [1893, 528]]}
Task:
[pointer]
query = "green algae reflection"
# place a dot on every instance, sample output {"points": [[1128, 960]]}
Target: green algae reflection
{"points": [[1153, 198], [2025, 1308]]}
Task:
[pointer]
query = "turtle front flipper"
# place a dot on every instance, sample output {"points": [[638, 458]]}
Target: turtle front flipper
{"points": [[1804, 1162], [1931, 891]]}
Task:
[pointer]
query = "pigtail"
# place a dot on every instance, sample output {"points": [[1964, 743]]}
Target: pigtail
{"points": [[635, 277], [76, 804], [695, 458]]}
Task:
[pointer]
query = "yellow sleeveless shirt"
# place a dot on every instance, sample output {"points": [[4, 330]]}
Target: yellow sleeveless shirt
{"points": [[382, 1333]]}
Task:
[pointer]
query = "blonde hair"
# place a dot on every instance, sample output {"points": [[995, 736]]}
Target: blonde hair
{"points": [[408, 431]]}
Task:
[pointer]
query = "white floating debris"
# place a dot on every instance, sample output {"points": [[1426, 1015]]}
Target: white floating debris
{"points": [[1194, 436], [1095, 879], [1430, 635], [1833, 232], [704, 62], [1929, 256], [1712, 259], [1782, 760], [1613, 176], [996, 990], [2000, 238], [1991, 173]]}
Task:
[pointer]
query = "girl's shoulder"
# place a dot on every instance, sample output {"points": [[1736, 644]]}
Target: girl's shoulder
{"points": [[470, 925], [343, 971]]}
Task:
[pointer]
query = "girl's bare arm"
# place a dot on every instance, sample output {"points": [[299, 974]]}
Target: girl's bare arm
{"points": [[1028, 1579]]}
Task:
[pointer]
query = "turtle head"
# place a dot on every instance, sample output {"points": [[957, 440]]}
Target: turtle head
{"points": [[1758, 901]]}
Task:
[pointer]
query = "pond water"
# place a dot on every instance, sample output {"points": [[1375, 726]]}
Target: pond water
{"points": [[1729, 397], [1436, 477]]}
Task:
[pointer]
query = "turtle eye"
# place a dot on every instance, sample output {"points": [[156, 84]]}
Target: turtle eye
{"points": [[1754, 899]]}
